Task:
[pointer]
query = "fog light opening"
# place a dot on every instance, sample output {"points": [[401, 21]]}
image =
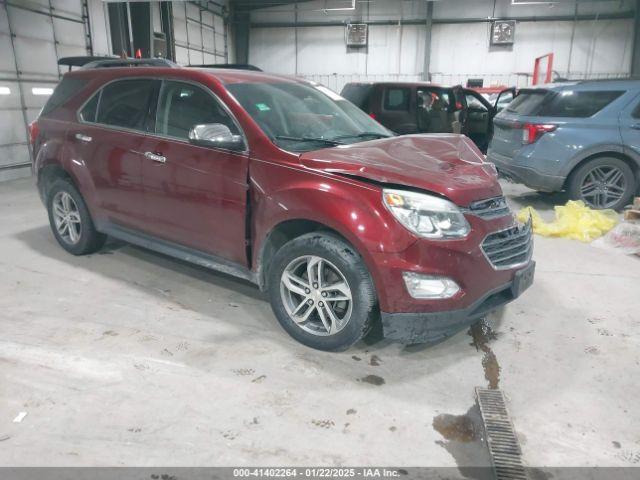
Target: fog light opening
{"points": [[430, 286]]}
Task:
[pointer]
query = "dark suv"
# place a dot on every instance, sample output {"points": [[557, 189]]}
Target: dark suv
{"points": [[422, 107], [287, 185]]}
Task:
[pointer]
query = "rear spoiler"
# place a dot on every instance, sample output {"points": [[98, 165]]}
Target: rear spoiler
{"points": [[106, 62], [81, 61]]}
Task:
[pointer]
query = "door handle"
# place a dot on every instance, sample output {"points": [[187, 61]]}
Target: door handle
{"points": [[83, 138], [635, 126], [155, 157]]}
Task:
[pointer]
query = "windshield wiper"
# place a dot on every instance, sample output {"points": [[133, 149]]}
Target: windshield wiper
{"points": [[326, 141], [362, 135]]}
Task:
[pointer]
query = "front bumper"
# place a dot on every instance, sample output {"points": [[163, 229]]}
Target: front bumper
{"points": [[434, 326], [526, 175]]}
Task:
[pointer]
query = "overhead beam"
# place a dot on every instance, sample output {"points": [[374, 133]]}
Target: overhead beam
{"points": [[440, 21]]}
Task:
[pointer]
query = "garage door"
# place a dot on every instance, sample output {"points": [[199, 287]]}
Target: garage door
{"points": [[199, 33], [33, 35]]}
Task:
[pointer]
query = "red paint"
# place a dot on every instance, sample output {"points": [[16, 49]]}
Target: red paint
{"points": [[199, 196]]}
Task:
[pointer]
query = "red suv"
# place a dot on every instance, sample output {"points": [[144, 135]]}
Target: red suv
{"points": [[285, 184]]}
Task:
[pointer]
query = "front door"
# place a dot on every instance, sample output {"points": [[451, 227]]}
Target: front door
{"points": [[195, 196], [629, 121], [479, 118], [108, 141]]}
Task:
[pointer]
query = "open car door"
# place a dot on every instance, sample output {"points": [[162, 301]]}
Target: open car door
{"points": [[478, 123], [503, 99]]}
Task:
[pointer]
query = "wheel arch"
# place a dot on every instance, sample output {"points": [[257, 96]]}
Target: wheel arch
{"points": [[50, 173], [620, 155], [284, 232]]}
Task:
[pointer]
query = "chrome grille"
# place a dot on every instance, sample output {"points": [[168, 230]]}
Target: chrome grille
{"points": [[489, 208], [509, 248]]}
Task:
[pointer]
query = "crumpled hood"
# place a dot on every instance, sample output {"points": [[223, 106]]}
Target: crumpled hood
{"points": [[447, 164]]}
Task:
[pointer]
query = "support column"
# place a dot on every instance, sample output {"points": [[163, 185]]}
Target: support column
{"points": [[635, 51], [241, 27], [427, 42]]}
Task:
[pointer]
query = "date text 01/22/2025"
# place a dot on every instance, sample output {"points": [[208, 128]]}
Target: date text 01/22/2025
{"points": [[320, 472]]}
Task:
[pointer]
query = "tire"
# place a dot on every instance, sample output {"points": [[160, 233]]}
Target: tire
{"points": [[339, 264], [80, 236], [589, 181]]}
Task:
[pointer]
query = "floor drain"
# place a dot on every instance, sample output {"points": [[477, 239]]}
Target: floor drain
{"points": [[504, 449]]}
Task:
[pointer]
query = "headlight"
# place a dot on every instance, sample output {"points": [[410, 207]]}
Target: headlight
{"points": [[426, 215]]}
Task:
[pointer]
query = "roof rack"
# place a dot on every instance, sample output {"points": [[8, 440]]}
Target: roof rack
{"points": [[131, 62], [235, 66]]}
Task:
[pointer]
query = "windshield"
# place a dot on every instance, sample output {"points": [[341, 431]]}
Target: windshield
{"points": [[301, 117]]}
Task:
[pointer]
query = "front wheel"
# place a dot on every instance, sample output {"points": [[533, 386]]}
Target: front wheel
{"points": [[603, 182], [321, 292]]}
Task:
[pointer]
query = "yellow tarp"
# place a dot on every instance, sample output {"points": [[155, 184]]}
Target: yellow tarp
{"points": [[574, 220]]}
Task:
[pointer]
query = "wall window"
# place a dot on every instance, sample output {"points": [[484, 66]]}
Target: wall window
{"points": [[182, 106], [397, 99], [127, 103]]}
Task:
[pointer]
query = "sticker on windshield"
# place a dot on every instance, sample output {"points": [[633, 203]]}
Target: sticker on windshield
{"points": [[263, 107]]}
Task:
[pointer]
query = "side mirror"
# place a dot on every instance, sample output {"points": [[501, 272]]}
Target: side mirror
{"points": [[215, 135]]}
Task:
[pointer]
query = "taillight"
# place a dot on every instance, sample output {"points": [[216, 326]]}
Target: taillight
{"points": [[372, 115], [34, 131], [533, 131]]}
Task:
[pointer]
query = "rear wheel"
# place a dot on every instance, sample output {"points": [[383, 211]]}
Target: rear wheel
{"points": [[321, 292], [604, 182], [70, 220]]}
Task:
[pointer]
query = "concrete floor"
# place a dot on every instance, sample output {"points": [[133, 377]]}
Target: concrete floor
{"points": [[131, 358]]}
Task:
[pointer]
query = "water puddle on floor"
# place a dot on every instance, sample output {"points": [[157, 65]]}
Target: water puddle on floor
{"points": [[463, 434], [481, 333], [463, 439]]}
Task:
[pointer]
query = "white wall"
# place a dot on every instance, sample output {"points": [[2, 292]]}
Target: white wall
{"points": [[458, 51]]}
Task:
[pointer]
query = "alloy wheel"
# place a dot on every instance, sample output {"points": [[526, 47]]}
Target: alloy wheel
{"points": [[603, 186], [66, 217], [316, 295]]}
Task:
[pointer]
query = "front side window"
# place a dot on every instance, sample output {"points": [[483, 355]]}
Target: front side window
{"points": [[397, 99], [302, 117], [474, 103], [182, 106], [127, 103]]}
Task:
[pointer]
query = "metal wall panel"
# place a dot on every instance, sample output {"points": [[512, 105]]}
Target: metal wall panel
{"points": [[43, 31]]}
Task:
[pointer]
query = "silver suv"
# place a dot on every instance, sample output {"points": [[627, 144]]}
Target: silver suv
{"points": [[581, 137]]}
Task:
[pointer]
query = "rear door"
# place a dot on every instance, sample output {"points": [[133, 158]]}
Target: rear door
{"points": [[435, 110], [108, 140], [398, 112], [195, 196]]}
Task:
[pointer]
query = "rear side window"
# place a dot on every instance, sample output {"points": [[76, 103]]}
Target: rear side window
{"points": [[90, 109], [126, 103], [63, 92], [528, 102], [397, 99], [577, 104], [358, 95]]}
